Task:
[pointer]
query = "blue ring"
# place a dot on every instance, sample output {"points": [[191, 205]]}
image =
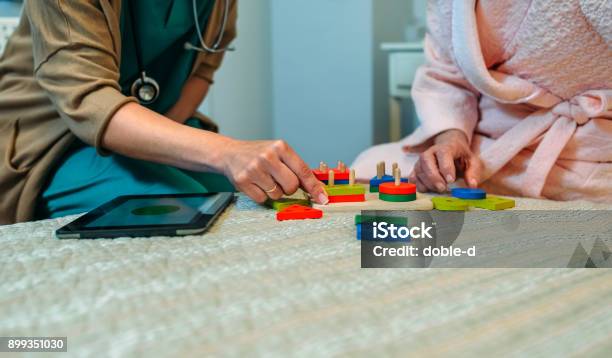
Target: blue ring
{"points": [[468, 193], [385, 179]]}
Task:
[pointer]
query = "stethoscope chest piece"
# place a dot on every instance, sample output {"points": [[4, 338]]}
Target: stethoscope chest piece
{"points": [[145, 89]]}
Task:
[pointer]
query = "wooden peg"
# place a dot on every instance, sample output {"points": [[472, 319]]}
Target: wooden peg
{"points": [[397, 175], [322, 167], [380, 170], [341, 166], [393, 167], [330, 178], [352, 177]]}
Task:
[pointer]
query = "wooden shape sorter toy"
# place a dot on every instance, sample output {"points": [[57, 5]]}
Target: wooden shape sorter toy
{"points": [[341, 173], [283, 203], [344, 193], [401, 188], [464, 198], [381, 177], [468, 193], [397, 191], [492, 203], [445, 203], [373, 202], [370, 199]]}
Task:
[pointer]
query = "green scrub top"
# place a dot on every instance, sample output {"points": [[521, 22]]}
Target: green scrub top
{"points": [[83, 179], [162, 28]]}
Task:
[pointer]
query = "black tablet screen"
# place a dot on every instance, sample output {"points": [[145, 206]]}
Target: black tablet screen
{"points": [[156, 211]]}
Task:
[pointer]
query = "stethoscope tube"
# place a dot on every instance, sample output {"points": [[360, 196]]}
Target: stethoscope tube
{"points": [[215, 47], [145, 88]]}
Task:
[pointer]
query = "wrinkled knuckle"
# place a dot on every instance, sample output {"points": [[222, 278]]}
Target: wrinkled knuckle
{"points": [[293, 186], [267, 156], [417, 171], [303, 171], [242, 178], [445, 151], [280, 145], [260, 198], [275, 195], [254, 168]]}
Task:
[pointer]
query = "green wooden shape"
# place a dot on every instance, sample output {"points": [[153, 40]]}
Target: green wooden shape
{"points": [[373, 189], [491, 203], [336, 190], [397, 198], [445, 203], [360, 219], [282, 203]]}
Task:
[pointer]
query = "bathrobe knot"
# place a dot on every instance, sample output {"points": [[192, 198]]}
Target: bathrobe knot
{"points": [[550, 130], [571, 109]]}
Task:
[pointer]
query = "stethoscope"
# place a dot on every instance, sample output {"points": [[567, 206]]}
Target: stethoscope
{"points": [[145, 88]]}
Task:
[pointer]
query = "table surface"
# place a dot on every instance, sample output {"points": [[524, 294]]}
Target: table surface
{"points": [[254, 285]]}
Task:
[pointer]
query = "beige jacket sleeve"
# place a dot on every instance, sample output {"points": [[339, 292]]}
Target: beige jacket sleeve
{"points": [[208, 63], [76, 46]]}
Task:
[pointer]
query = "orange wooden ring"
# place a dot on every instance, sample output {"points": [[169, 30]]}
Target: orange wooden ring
{"points": [[392, 189]]}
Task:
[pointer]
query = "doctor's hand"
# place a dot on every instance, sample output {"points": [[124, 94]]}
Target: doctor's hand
{"points": [[263, 169], [441, 163]]}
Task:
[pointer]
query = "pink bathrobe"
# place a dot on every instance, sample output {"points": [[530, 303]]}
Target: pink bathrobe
{"points": [[530, 83]]}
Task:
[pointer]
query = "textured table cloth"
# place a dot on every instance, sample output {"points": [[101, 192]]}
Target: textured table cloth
{"points": [[253, 285]]}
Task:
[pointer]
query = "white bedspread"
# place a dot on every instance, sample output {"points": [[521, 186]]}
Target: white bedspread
{"points": [[253, 285]]}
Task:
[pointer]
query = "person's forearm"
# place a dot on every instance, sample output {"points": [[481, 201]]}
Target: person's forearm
{"points": [[140, 133], [192, 94], [260, 169]]}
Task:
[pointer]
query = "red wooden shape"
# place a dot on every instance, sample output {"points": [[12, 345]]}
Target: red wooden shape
{"points": [[346, 198], [298, 212], [402, 189], [338, 175]]}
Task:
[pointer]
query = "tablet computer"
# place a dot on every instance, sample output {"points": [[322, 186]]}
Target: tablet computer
{"points": [[149, 215]]}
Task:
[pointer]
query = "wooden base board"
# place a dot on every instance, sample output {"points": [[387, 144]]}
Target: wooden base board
{"points": [[373, 203]]}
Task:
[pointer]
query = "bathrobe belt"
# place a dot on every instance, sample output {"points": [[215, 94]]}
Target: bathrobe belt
{"points": [[553, 127]]}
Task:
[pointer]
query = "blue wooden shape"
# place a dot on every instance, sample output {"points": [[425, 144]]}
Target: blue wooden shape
{"points": [[468, 193]]}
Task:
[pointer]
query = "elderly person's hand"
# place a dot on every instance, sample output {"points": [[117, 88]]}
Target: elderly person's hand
{"points": [[441, 163]]}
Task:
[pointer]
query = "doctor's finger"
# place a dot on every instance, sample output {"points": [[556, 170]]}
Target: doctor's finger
{"points": [[304, 174], [254, 192], [260, 177], [288, 181]]}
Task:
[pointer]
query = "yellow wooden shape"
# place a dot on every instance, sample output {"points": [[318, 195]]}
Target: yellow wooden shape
{"points": [[445, 203], [491, 203], [283, 203], [336, 190]]}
